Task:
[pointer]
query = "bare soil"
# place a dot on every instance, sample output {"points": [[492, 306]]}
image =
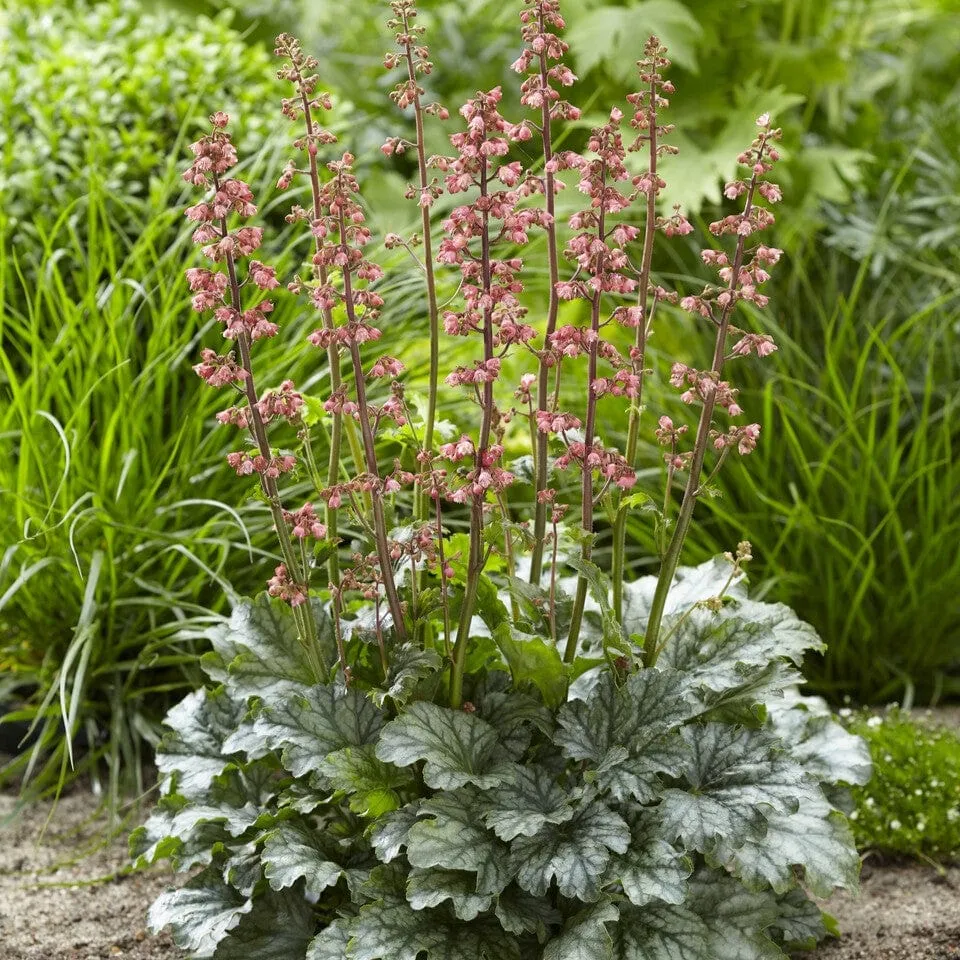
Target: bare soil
{"points": [[904, 912], [50, 909]]}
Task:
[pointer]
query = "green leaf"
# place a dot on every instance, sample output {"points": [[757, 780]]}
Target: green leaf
{"points": [[816, 838], [610, 36], [306, 726], [458, 747], [574, 853], [526, 804], [738, 779], [520, 912], [651, 869], [199, 914], [279, 927], [295, 850], [371, 784], [628, 734], [193, 745], [331, 942], [534, 660], [821, 746], [243, 870], [451, 835], [158, 838], [719, 651], [234, 820], [515, 716], [391, 929], [409, 665], [660, 931], [585, 935], [258, 653], [431, 887], [389, 836], [800, 922], [735, 917]]}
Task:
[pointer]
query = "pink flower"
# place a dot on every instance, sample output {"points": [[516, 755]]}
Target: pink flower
{"points": [[281, 585], [305, 523]]}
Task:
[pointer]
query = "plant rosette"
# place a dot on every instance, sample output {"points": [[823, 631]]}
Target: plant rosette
{"points": [[583, 810]]}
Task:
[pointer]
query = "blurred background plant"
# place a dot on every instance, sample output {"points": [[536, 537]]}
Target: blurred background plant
{"points": [[911, 807], [110, 561]]}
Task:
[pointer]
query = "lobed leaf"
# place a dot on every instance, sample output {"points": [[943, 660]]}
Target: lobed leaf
{"points": [[585, 935], [525, 804], [308, 725], [651, 869], [451, 835], [193, 745], [431, 887], [628, 734], [200, 914], [459, 748], [817, 838], [371, 784], [738, 779], [574, 853], [258, 652], [293, 851], [660, 931]]}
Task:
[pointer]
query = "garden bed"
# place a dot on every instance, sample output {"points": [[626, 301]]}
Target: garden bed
{"points": [[907, 912]]}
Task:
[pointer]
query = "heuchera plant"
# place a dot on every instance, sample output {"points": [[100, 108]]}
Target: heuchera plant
{"points": [[445, 731]]}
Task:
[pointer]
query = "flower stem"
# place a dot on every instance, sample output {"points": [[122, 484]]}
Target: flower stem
{"points": [[691, 492], [586, 509], [618, 570], [381, 538], [475, 562], [303, 615], [553, 305], [423, 501]]}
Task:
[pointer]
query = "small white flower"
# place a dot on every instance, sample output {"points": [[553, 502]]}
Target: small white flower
{"points": [[875, 722], [921, 826], [895, 824], [869, 802], [887, 758], [845, 712], [855, 815], [918, 792], [952, 814]]}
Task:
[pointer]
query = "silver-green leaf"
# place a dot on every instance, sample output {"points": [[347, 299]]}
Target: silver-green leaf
{"points": [[574, 853], [523, 805], [309, 725], [293, 851], [199, 914], [459, 748]]}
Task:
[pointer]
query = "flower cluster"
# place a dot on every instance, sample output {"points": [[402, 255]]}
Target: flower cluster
{"points": [[220, 291], [500, 199]]}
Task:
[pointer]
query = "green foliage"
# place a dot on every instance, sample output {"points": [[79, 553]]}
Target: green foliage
{"points": [[833, 74], [95, 101], [638, 818], [119, 524], [912, 804]]}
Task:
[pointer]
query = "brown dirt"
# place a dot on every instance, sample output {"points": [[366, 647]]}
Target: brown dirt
{"points": [[71, 919], [905, 912]]}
